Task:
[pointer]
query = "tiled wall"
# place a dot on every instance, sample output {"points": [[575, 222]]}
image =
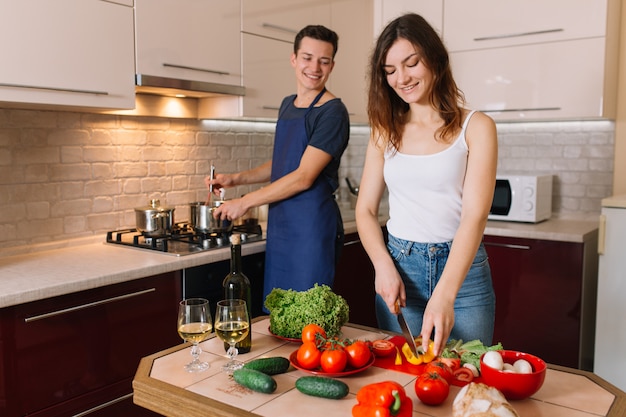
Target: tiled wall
{"points": [[67, 175]]}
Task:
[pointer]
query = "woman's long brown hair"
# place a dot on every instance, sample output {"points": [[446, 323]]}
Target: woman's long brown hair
{"points": [[386, 111]]}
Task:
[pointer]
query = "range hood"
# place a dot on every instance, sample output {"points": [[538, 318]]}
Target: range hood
{"points": [[173, 87]]}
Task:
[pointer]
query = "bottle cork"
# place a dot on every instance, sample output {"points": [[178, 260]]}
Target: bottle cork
{"points": [[235, 239]]}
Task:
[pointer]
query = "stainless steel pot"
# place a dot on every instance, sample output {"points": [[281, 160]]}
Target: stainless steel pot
{"points": [[202, 219], [154, 220]]}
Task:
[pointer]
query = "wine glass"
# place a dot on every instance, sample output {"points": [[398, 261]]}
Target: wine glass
{"points": [[195, 325], [232, 325]]}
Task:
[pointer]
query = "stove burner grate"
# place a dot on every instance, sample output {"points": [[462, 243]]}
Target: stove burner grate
{"points": [[183, 239]]}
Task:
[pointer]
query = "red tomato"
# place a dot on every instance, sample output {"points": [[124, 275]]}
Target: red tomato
{"points": [[359, 354], [439, 367], [464, 374], [334, 361], [453, 363], [308, 355], [310, 330], [431, 388], [383, 347]]}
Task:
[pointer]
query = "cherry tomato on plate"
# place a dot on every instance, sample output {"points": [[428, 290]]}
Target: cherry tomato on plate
{"points": [[439, 367], [431, 388], [383, 347], [359, 354], [334, 360], [310, 331], [309, 355]]}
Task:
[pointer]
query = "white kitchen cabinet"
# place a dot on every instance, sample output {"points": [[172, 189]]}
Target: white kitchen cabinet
{"points": [[268, 75], [387, 10], [554, 65], [72, 53], [196, 40], [269, 29], [483, 24], [282, 19], [534, 81], [352, 20]]}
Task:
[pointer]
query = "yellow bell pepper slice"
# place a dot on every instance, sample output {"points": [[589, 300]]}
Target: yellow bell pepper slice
{"points": [[421, 357], [429, 356], [410, 357], [398, 357]]}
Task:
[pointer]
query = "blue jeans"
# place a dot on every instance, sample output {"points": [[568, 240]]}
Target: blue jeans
{"points": [[420, 265]]}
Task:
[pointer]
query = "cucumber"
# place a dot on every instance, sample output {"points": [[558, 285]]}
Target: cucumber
{"points": [[269, 366], [255, 380], [321, 386]]}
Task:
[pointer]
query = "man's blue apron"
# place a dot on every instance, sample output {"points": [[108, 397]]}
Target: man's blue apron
{"points": [[302, 229]]}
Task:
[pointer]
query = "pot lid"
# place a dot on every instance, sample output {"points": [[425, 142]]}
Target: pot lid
{"points": [[154, 205]]}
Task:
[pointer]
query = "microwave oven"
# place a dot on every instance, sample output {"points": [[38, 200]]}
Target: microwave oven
{"points": [[522, 198]]}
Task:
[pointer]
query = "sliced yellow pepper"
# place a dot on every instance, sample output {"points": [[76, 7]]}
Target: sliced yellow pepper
{"points": [[421, 357], [398, 357], [429, 356], [413, 359]]}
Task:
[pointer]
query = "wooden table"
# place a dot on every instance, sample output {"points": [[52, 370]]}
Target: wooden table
{"points": [[162, 385]]}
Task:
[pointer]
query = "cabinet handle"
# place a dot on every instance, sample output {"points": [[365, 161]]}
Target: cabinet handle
{"points": [[270, 108], [507, 245], [64, 90], [517, 35], [104, 405], [277, 27], [352, 242], [88, 305], [601, 234], [522, 109], [165, 64]]}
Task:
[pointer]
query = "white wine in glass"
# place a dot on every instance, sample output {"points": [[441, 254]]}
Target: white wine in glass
{"points": [[195, 326], [232, 326]]}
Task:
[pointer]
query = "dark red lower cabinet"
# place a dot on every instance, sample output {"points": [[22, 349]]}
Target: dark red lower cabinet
{"points": [[354, 281], [545, 297], [79, 352]]}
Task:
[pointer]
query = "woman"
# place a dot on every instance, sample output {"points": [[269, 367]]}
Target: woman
{"points": [[438, 162], [305, 229]]}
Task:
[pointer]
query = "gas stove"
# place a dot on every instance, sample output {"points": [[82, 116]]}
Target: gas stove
{"points": [[183, 239]]}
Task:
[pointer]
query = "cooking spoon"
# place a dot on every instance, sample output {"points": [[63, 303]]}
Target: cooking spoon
{"points": [[211, 177]]}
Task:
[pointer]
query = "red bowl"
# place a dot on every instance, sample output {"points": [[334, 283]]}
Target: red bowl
{"points": [[515, 386]]}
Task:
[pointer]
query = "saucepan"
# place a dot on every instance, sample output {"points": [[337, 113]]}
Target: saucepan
{"points": [[202, 219], [154, 220]]}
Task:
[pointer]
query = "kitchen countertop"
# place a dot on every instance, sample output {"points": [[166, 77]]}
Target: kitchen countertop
{"points": [[48, 270], [617, 201], [163, 386]]}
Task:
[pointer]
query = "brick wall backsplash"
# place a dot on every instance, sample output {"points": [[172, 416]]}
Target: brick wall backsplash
{"points": [[66, 175]]}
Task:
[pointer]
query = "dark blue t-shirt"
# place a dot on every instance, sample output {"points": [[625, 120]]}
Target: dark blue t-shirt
{"points": [[328, 129]]}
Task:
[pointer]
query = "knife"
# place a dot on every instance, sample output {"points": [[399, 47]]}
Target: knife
{"points": [[406, 331]]}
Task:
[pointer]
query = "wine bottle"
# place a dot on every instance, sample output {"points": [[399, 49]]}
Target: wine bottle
{"points": [[237, 286]]}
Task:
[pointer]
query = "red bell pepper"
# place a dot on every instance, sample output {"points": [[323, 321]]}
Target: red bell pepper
{"points": [[382, 399]]}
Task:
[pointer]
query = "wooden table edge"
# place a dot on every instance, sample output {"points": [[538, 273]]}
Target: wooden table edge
{"points": [[147, 389]]}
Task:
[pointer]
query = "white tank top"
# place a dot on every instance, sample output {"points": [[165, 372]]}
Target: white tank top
{"points": [[425, 192]]}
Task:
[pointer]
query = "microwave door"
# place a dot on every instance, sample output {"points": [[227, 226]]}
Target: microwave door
{"points": [[502, 198]]}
